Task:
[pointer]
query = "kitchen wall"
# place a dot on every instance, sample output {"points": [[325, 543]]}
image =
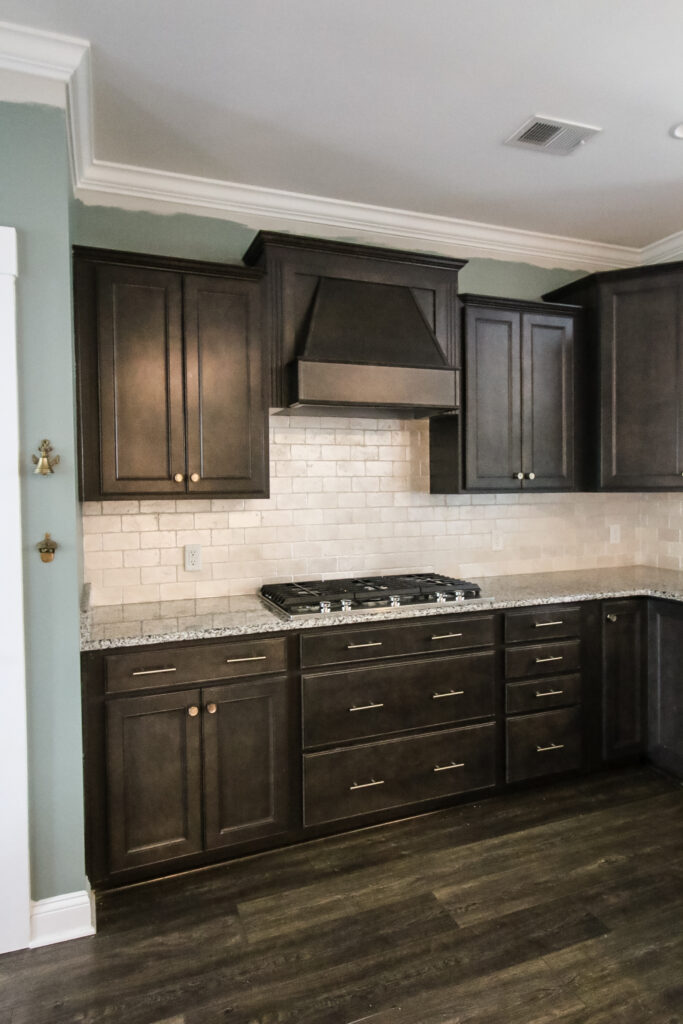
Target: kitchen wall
{"points": [[347, 497], [662, 530]]}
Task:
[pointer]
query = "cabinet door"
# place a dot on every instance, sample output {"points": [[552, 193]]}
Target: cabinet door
{"points": [[547, 402], [246, 762], [153, 778], [226, 412], [642, 383], [623, 668], [665, 679], [493, 453], [140, 361]]}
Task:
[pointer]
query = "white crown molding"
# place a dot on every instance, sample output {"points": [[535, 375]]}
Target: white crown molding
{"points": [[96, 181], [70, 916], [8, 251]]}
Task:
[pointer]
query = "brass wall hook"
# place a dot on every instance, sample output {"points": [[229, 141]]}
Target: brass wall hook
{"points": [[47, 547], [44, 464]]}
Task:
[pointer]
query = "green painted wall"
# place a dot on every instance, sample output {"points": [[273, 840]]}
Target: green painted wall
{"points": [[34, 198], [206, 238]]}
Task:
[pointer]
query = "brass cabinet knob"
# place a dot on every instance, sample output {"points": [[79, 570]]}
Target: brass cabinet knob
{"points": [[193, 711], [179, 478], [519, 476], [194, 478], [611, 617], [212, 708], [531, 476]]}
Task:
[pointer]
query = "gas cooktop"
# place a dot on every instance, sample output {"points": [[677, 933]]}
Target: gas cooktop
{"points": [[365, 593]]}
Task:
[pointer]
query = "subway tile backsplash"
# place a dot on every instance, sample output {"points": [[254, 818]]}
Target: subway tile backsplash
{"points": [[350, 497]]}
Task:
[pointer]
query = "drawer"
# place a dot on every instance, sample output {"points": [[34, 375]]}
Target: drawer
{"points": [[556, 692], [542, 744], [541, 659], [370, 642], [362, 702], [343, 784], [542, 623], [140, 669]]}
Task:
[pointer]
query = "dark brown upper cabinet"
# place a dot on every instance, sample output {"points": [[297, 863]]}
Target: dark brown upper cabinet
{"points": [[633, 326], [517, 427], [170, 378], [338, 314]]}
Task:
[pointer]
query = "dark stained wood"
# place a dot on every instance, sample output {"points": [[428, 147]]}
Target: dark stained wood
{"points": [[395, 698], [542, 744], [368, 643], [542, 659], [665, 685], [561, 904], [224, 380], [154, 777], [553, 692], [246, 762], [544, 623], [352, 781], [624, 682]]}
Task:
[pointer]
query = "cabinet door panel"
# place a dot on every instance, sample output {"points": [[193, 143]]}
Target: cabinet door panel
{"points": [[642, 383], [154, 778], [246, 767], [226, 415], [493, 426], [665, 679], [623, 679], [142, 432], [547, 401]]}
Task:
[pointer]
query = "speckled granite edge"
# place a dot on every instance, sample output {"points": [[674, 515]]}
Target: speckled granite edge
{"points": [[253, 617]]}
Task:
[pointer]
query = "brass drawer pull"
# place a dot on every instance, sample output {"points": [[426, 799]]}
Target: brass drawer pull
{"points": [[451, 693], [540, 625], [445, 636], [365, 707], [553, 746], [254, 657], [366, 785], [553, 657], [353, 647], [193, 711], [153, 671], [212, 707], [447, 767], [549, 693]]}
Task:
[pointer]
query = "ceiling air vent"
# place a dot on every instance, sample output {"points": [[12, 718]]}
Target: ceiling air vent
{"points": [[549, 135]]}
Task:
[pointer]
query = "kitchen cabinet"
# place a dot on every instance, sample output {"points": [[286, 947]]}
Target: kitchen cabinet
{"points": [[623, 679], [517, 429], [665, 685], [170, 378], [633, 330]]}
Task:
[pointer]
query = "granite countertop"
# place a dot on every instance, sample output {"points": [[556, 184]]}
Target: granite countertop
{"points": [[160, 622]]}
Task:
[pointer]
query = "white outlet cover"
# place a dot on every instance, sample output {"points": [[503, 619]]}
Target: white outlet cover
{"points": [[193, 557]]}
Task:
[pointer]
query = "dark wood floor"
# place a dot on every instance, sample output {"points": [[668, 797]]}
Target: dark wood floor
{"points": [[561, 904]]}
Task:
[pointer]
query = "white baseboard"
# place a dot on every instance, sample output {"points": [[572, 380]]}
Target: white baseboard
{"points": [[70, 916]]}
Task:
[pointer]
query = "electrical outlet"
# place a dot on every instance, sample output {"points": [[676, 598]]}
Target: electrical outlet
{"points": [[614, 534], [193, 557], [496, 541]]}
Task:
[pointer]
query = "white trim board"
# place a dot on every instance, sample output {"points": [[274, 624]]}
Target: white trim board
{"points": [[67, 60], [70, 916]]}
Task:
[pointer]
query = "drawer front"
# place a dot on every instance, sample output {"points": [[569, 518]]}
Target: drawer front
{"points": [[556, 692], [542, 744], [362, 702], [343, 784], [363, 644], [542, 624], [142, 669], [542, 659]]}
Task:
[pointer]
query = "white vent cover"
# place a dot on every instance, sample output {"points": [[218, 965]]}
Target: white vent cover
{"points": [[550, 135]]}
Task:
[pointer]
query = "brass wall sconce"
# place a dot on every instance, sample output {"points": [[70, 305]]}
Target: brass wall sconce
{"points": [[47, 547], [44, 465]]}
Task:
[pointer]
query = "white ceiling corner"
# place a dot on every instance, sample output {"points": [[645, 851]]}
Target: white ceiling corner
{"points": [[67, 59]]}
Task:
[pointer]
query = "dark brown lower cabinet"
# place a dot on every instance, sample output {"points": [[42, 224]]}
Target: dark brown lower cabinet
{"points": [[665, 685], [543, 744], [624, 632], [196, 769]]}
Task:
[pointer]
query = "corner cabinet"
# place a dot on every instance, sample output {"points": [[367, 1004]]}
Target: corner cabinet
{"points": [[517, 428], [633, 322], [170, 378]]}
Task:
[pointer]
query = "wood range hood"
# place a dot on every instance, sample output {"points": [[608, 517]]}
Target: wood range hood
{"points": [[359, 330]]}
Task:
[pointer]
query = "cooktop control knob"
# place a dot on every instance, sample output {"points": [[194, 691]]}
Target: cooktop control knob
{"points": [[325, 606], [346, 606], [394, 601]]}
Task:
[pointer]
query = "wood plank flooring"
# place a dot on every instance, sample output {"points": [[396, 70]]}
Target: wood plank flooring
{"points": [[563, 904]]}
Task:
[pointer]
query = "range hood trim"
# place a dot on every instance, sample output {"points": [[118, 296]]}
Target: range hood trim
{"points": [[429, 391]]}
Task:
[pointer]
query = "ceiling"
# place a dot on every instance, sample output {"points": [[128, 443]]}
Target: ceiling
{"points": [[397, 103]]}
